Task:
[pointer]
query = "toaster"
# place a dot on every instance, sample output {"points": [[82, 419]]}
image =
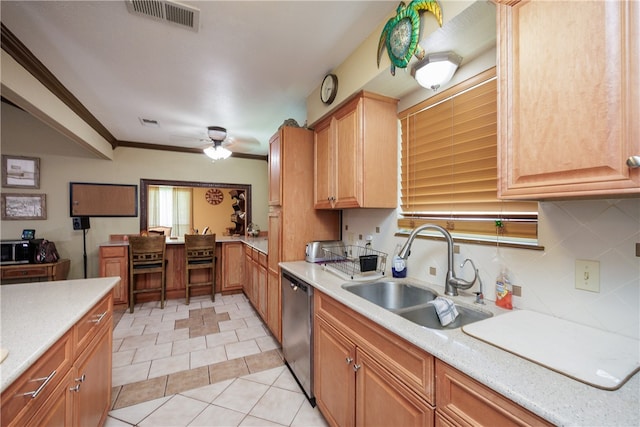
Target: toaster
{"points": [[314, 251]]}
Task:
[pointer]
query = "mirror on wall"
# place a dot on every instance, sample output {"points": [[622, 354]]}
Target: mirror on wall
{"points": [[181, 207]]}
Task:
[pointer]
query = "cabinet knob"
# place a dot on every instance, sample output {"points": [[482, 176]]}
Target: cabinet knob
{"points": [[349, 360], [633, 162], [356, 368], [75, 388]]}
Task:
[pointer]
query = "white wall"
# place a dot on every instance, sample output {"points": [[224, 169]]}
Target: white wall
{"points": [[26, 136]]}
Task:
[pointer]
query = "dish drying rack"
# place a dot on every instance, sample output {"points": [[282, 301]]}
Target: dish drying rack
{"points": [[355, 261]]}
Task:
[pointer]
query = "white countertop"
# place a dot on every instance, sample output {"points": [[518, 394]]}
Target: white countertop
{"points": [[553, 396], [260, 243], [34, 316]]}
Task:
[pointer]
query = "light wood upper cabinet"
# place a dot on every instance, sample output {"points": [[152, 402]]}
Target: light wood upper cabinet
{"points": [[356, 152], [569, 98]]}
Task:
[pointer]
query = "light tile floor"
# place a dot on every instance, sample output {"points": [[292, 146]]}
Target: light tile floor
{"points": [[205, 364]]}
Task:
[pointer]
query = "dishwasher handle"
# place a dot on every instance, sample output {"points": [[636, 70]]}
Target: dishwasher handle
{"points": [[296, 284]]}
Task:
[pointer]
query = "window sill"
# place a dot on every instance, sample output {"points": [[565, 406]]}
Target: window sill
{"points": [[512, 242]]}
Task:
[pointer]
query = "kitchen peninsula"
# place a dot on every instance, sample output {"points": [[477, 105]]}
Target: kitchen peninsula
{"points": [[58, 342], [230, 275]]}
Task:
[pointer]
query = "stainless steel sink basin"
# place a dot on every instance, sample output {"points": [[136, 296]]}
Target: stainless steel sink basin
{"points": [[391, 295], [426, 316]]}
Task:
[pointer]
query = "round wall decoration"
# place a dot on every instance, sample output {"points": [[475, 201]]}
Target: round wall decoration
{"points": [[214, 196]]}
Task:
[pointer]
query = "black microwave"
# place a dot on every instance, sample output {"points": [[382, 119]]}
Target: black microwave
{"points": [[16, 251]]}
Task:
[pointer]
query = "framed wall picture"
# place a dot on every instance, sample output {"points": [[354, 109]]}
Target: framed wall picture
{"points": [[24, 206], [20, 172]]}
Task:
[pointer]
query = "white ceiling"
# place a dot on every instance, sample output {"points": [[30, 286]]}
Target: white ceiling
{"points": [[250, 65]]}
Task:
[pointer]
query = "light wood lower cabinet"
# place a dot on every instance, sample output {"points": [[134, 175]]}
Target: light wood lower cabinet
{"points": [[462, 401], [114, 262], [274, 297], [233, 275], [92, 374], [255, 285], [70, 385], [363, 375]]}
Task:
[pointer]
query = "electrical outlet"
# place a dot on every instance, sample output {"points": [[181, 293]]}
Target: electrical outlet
{"points": [[517, 291], [588, 275], [432, 271]]}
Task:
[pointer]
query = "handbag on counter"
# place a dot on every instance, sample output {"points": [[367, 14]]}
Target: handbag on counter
{"points": [[46, 252]]}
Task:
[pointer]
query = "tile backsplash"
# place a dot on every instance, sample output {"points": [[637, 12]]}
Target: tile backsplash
{"points": [[602, 230]]}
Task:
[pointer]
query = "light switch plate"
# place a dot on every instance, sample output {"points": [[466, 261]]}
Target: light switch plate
{"points": [[588, 275]]}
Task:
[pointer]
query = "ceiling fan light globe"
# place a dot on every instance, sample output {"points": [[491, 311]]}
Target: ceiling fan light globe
{"points": [[217, 152], [217, 133]]}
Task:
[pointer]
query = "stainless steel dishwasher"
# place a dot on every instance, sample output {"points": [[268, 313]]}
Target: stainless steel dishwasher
{"points": [[297, 331]]}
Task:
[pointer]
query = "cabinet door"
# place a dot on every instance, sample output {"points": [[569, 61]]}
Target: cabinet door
{"points": [[261, 290], [114, 262], [348, 157], [334, 376], [232, 266], [324, 170], [92, 397], [57, 410], [275, 171], [274, 313], [381, 399], [569, 100], [274, 238], [247, 285]]}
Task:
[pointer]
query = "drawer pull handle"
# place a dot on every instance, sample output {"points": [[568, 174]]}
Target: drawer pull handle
{"points": [[100, 317], [45, 381]]}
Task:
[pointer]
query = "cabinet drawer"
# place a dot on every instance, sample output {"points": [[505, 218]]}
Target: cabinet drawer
{"points": [[113, 251], [29, 272], [29, 392], [464, 401], [91, 323], [414, 366]]}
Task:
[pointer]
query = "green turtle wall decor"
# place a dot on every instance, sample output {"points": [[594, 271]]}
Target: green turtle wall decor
{"points": [[401, 33]]}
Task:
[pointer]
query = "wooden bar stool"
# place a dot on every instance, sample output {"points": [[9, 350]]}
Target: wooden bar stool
{"points": [[147, 256], [200, 254]]}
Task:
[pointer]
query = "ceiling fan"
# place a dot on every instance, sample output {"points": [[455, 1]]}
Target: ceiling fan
{"points": [[219, 144]]}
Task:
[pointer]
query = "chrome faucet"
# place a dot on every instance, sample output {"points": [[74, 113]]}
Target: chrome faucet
{"points": [[452, 283]]}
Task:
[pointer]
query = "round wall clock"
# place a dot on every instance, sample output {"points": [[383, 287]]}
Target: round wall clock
{"points": [[214, 196], [329, 88]]}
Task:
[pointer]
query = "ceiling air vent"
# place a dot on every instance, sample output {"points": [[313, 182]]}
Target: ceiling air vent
{"points": [[167, 11]]}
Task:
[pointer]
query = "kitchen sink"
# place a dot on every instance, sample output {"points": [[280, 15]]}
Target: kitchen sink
{"points": [[391, 295], [426, 316], [411, 302]]}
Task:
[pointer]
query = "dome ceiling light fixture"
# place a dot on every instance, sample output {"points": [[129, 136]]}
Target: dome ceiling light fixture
{"points": [[436, 69], [217, 134]]}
